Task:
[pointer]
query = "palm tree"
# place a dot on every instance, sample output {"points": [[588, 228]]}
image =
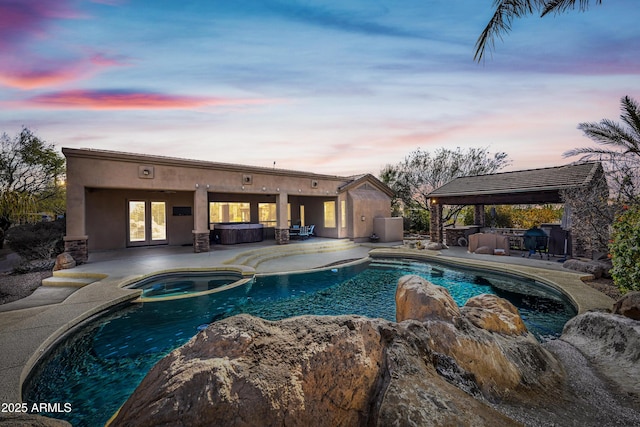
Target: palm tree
{"points": [[619, 148], [508, 10]]}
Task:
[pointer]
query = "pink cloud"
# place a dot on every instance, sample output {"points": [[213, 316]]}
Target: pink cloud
{"points": [[32, 74], [102, 60], [20, 19], [31, 79], [131, 100]]}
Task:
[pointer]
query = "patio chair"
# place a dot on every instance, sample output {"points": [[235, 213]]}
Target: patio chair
{"points": [[304, 232]]}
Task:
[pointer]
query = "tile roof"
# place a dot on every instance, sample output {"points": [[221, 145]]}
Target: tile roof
{"points": [[531, 180]]}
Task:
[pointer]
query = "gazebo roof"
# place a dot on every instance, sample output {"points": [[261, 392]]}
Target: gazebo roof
{"points": [[518, 187]]}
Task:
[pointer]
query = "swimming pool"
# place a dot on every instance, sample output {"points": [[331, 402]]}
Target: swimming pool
{"points": [[97, 367]]}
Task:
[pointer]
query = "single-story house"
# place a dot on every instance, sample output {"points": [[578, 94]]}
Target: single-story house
{"points": [[117, 200]]}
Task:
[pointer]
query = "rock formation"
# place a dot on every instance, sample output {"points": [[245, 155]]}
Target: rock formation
{"points": [[440, 366], [598, 268], [64, 261], [611, 343], [628, 305], [416, 301], [30, 420]]}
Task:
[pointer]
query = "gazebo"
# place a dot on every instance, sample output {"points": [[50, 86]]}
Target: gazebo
{"points": [[531, 186]]}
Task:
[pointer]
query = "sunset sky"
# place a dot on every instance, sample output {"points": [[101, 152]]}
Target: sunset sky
{"points": [[338, 87]]}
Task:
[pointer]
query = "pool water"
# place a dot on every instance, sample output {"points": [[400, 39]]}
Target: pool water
{"points": [[100, 364]]}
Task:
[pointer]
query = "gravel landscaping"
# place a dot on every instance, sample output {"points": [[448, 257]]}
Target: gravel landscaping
{"points": [[17, 286]]}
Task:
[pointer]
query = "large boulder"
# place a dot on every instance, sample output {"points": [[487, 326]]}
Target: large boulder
{"points": [[308, 371], [348, 370], [610, 342], [597, 268], [494, 314], [416, 301], [248, 371], [628, 305], [64, 261]]}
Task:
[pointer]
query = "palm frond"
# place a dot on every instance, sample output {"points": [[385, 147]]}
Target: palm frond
{"points": [[508, 10], [560, 6], [619, 143], [592, 153], [500, 23], [608, 132], [631, 116]]}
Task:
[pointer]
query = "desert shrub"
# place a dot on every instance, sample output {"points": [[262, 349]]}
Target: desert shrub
{"points": [[625, 249], [39, 241], [417, 220], [507, 216]]}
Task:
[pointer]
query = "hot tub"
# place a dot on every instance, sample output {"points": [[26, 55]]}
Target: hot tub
{"points": [[230, 234]]}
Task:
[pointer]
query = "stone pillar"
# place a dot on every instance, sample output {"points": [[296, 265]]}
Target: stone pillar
{"points": [[200, 242], [77, 247], [435, 223], [200, 219], [478, 215], [282, 220], [282, 236]]}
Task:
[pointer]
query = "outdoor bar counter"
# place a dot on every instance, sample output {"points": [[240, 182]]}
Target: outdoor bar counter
{"points": [[230, 234]]}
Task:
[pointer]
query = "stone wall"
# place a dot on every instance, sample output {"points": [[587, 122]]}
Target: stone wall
{"points": [[77, 248], [201, 242], [435, 223], [452, 235], [282, 236], [591, 217]]}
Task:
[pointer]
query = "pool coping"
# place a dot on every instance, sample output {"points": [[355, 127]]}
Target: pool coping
{"points": [[29, 333]]}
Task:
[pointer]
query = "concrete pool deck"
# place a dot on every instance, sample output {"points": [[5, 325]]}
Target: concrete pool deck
{"points": [[30, 326]]}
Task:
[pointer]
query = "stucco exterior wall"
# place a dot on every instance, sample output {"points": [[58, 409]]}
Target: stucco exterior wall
{"points": [[388, 229], [314, 214], [366, 204], [127, 171], [106, 213]]}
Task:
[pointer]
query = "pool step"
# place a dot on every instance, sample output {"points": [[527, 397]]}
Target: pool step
{"points": [[78, 280], [256, 257]]}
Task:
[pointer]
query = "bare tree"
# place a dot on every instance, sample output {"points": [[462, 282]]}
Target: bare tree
{"points": [[421, 172]]}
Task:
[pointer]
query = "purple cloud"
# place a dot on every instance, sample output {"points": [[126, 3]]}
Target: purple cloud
{"points": [[131, 100]]}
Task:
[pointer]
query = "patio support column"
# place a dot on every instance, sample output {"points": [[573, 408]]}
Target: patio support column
{"points": [[282, 220], [76, 241], [478, 215], [436, 231], [200, 219]]}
